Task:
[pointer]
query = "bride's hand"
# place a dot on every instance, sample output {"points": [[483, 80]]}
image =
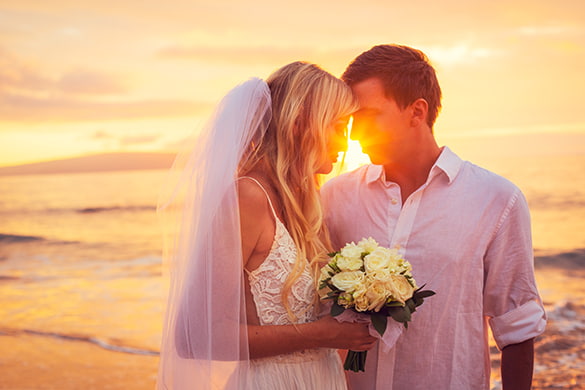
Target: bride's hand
{"points": [[344, 335]]}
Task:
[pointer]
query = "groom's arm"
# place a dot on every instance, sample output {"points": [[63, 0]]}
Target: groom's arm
{"points": [[518, 365], [511, 299]]}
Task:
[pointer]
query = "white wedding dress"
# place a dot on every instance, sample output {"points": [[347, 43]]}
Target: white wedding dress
{"points": [[316, 369]]}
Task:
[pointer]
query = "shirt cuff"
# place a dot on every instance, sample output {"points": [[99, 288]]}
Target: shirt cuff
{"points": [[518, 325]]}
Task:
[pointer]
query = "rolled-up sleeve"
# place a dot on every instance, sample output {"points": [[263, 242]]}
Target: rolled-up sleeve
{"points": [[511, 299]]}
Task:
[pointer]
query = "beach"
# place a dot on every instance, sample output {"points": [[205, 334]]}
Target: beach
{"points": [[31, 360], [83, 292]]}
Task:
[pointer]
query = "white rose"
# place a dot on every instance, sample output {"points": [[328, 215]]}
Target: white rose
{"points": [[377, 260], [349, 263], [368, 244], [395, 260], [400, 289], [382, 274], [351, 250], [348, 281]]}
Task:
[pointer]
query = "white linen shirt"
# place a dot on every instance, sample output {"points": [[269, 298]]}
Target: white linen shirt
{"points": [[466, 232]]}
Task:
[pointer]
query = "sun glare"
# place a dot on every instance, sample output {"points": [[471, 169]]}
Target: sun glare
{"points": [[354, 157]]}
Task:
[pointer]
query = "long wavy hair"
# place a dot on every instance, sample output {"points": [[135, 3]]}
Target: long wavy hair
{"points": [[306, 101]]}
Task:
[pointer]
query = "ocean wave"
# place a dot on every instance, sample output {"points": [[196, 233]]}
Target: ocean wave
{"points": [[573, 260], [92, 210], [79, 210], [15, 238], [557, 201], [109, 345], [22, 239], [567, 317]]}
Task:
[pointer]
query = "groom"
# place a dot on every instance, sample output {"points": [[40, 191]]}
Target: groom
{"points": [[466, 232]]}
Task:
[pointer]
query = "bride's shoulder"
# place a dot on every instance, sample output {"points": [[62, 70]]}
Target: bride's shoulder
{"points": [[252, 197]]}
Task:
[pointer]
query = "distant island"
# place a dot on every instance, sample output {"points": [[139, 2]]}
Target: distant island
{"points": [[94, 163]]}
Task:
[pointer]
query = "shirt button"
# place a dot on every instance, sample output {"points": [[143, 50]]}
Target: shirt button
{"points": [[394, 201]]}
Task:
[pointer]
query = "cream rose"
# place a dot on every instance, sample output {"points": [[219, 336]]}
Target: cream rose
{"points": [[395, 261], [400, 288], [351, 251], [377, 294], [377, 260], [348, 281], [349, 263], [360, 300], [345, 299], [368, 244]]}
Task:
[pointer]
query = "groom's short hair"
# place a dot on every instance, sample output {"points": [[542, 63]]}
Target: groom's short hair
{"points": [[406, 74]]}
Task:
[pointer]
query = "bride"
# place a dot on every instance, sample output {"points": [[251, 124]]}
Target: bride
{"points": [[243, 309]]}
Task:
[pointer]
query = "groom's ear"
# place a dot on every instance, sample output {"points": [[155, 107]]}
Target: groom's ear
{"points": [[419, 110]]}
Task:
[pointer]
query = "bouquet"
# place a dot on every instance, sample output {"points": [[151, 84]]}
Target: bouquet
{"points": [[370, 279]]}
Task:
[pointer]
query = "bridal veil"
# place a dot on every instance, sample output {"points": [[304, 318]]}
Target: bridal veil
{"points": [[204, 344]]}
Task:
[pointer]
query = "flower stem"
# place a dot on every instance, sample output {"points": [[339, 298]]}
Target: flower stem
{"points": [[355, 361]]}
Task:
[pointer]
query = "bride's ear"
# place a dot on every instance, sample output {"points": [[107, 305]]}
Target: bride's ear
{"points": [[419, 109]]}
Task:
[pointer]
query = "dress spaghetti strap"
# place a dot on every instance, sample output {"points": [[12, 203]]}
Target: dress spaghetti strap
{"points": [[265, 193]]}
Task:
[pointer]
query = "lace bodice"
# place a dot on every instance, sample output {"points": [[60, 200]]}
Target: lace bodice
{"points": [[267, 282]]}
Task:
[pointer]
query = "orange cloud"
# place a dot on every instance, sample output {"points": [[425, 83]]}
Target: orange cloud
{"points": [[28, 95], [31, 109], [126, 140], [89, 82]]}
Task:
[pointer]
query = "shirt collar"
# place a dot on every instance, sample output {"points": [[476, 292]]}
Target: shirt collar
{"points": [[448, 162]]}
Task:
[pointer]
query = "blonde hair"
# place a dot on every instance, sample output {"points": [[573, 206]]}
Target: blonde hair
{"points": [[306, 101]]}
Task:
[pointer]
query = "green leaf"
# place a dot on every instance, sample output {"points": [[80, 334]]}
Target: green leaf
{"points": [[425, 293], [332, 294], [336, 309], [411, 305], [380, 322], [401, 314]]}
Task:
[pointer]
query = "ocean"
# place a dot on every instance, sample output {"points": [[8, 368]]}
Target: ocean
{"points": [[80, 259], [80, 255]]}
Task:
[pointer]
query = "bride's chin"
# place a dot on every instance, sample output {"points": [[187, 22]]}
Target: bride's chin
{"points": [[325, 169]]}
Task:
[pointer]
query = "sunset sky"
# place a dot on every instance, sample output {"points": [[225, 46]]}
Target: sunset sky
{"points": [[93, 76]]}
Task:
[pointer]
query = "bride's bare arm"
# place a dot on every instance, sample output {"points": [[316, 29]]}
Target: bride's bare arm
{"points": [[324, 333]]}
